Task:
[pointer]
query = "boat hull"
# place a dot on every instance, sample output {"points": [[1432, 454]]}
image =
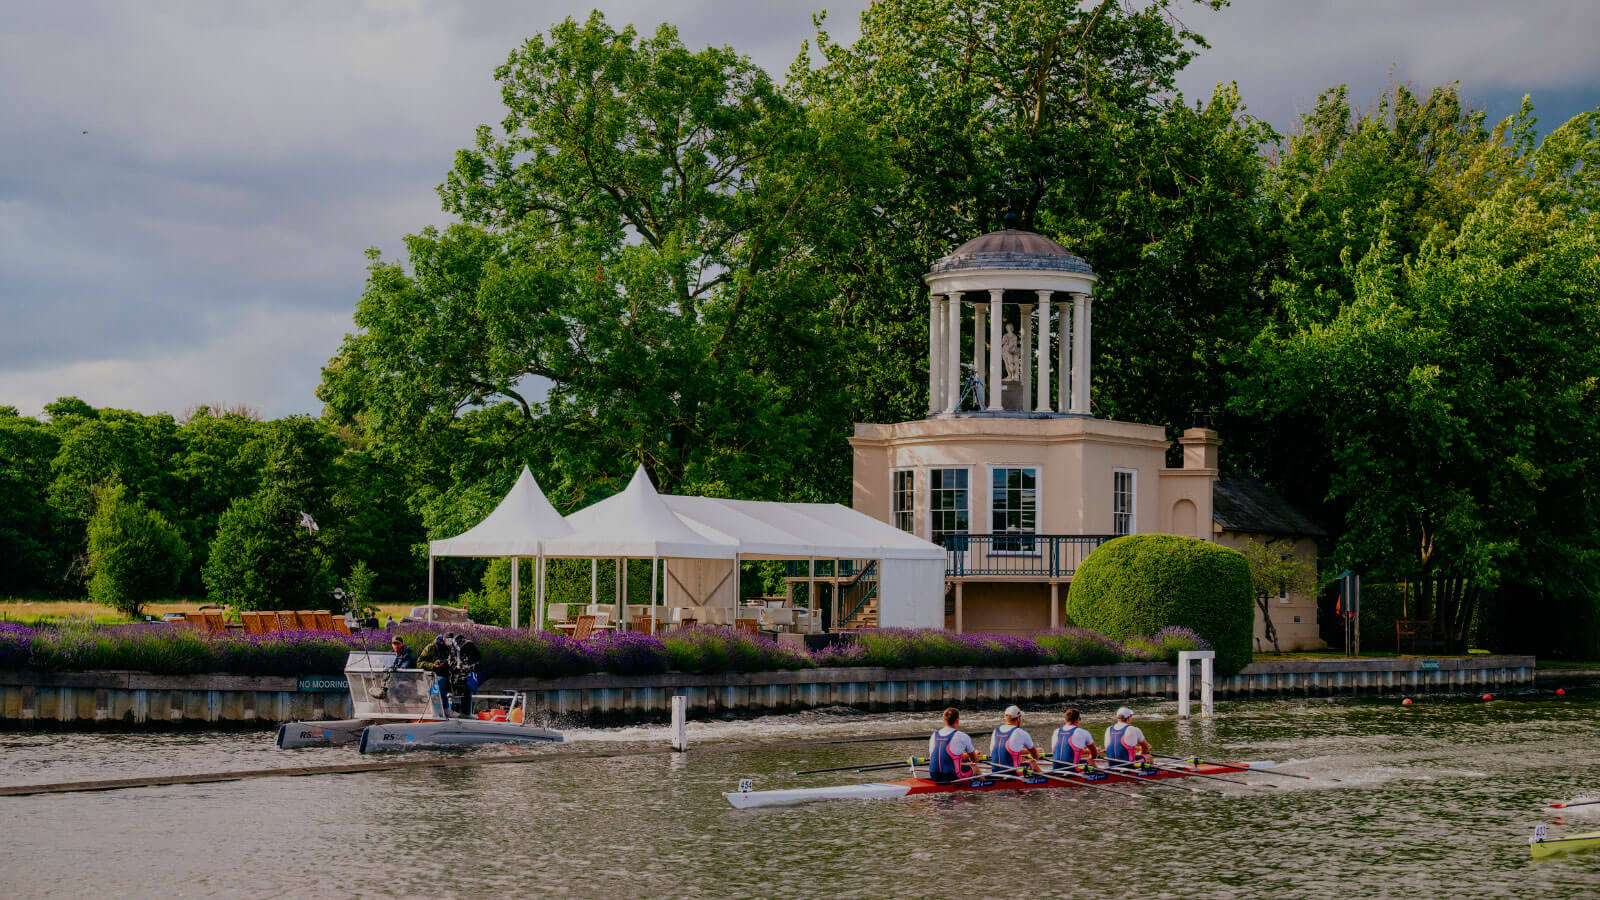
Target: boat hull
{"points": [[1564, 844], [910, 787], [332, 733], [398, 737]]}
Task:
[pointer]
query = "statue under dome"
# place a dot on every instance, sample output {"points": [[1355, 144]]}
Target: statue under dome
{"points": [[1011, 354]]}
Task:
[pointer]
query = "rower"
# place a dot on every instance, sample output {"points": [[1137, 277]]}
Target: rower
{"points": [[1011, 747], [950, 752], [1125, 743], [1073, 744]]}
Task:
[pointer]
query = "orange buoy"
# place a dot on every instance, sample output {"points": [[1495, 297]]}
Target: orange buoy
{"points": [[1406, 702], [1488, 696], [1561, 692]]}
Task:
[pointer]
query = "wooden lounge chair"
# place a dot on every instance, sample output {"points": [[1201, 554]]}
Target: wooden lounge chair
{"points": [[287, 621], [584, 628], [339, 626], [214, 622], [252, 623], [645, 623], [751, 627], [324, 620]]}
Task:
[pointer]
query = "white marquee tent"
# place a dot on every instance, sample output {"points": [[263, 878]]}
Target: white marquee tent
{"points": [[518, 527]]}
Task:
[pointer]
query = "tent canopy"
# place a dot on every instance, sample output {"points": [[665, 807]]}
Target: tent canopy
{"points": [[636, 524], [522, 523], [640, 523]]}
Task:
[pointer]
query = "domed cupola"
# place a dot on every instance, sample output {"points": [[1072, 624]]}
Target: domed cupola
{"points": [[1016, 280]]}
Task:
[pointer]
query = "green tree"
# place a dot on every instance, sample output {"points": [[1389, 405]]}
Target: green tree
{"points": [[1276, 569], [626, 248], [28, 524], [263, 559], [219, 460], [1455, 394], [135, 555], [1071, 112]]}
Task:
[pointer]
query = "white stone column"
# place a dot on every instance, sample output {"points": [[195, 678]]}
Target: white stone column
{"points": [[1044, 352], [935, 401], [995, 320], [1024, 347], [1080, 354], [978, 338], [952, 359], [1063, 339]]}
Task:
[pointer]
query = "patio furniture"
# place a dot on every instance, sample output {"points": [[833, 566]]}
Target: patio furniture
{"points": [[780, 619], [583, 627], [256, 623], [325, 620], [751, 627], [645, 623]]}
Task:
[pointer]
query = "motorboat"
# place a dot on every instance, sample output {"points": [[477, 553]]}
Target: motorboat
{"points": [[403, 709]]}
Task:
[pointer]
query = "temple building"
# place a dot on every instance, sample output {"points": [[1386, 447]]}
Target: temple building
{"points": [[1014, 476]]}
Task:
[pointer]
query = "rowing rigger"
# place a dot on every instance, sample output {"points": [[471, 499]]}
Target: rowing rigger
{"points": [[747, 798]]}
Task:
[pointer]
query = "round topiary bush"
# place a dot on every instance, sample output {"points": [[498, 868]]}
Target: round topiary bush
{"points": [[1144, 582]]}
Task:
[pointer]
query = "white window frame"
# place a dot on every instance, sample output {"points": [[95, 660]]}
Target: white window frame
{"points": [[929, 511], [894, 496], [1038, 507], [1133, 501]]}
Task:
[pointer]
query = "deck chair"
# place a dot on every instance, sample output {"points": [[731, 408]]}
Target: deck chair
{"points": [[585, 627], [339, 626], [287, 621], [251, 622], [214, 622], [645, 623], [324, 620], [306, 620], [751, 627]]}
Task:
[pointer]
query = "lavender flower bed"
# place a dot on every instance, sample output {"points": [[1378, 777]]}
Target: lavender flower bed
{"points": [[168, 650]]}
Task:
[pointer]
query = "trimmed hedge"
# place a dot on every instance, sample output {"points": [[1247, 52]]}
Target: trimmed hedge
{"points": [[1143, 582]]}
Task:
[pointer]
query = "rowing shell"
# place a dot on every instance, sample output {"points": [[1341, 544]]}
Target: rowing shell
{"points": [[1558, 845], [911, 787]]}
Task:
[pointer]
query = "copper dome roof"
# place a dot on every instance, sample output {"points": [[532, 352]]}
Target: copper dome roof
{"points": [[1012, 249]]}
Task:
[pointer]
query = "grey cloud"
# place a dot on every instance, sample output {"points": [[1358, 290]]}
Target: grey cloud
{"points": [[203, 242]]}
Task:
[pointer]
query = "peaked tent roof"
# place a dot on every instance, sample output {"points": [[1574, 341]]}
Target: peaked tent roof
{"points": [[522, 522], [637, 524]]}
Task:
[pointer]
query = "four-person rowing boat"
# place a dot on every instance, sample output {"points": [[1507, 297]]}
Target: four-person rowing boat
{"points": [[1047, 777]]}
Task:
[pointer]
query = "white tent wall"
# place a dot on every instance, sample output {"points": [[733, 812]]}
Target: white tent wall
{"points": [[911, 593], [701, 582]]}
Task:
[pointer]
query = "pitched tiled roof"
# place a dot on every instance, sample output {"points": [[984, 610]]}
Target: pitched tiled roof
{"points": [[1247, 506]]}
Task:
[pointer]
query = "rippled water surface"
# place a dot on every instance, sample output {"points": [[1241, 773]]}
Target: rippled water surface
{"points": [[1433, 800]]}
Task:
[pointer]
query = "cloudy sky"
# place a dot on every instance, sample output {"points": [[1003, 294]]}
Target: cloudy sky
{"points": [[186, 189]]}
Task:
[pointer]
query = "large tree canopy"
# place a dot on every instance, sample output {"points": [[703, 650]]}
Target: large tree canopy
{"points": [[631, 246]]}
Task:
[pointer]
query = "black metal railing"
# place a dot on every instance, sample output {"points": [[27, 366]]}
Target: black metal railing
{"points": [[854, 594], [1039, 555]]}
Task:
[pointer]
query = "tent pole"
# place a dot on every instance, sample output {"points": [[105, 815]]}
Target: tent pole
{"points": [[594, 580], [538, 592], [811, 593], [622, 608], [654, 560], [515, 567], [430, 586]]}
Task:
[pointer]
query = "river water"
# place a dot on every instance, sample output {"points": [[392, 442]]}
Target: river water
{"points": [[1437, 799]]}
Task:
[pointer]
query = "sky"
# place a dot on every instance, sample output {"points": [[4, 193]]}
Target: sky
{"points": [[187, 189]]}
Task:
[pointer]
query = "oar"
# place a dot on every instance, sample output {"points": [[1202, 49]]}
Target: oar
{"points": [[857, 767], [1192, 774], [1080, 781], [1571, 805], [1211, 762], [1167, 783], [913, 762]]}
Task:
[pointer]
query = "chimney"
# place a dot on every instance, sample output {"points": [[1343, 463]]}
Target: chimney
{"points": [[1200, 448]]}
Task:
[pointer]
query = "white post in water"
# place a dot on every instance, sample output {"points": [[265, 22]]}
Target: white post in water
{"points": [[679, 738], [1207, 659]]}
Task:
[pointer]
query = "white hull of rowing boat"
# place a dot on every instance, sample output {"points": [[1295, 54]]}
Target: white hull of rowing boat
{"points": [[886, 790], [878, 790]]}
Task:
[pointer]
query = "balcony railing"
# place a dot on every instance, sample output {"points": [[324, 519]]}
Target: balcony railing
{"points": [[1036, 555]]}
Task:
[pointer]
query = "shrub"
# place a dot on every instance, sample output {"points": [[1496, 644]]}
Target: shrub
{"points": [[710, 650], [263, 559], [1079, 647], [1138, 584], [135, 555]]}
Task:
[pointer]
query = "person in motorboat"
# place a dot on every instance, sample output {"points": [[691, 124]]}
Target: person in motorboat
{"points": [[466, 671], [951, 755], [1011, 747], [1073, 745], [403, 657], [435, 658], [1125, 743]]}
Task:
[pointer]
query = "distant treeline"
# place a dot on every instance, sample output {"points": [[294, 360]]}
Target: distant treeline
{"points": [[664, 256]]}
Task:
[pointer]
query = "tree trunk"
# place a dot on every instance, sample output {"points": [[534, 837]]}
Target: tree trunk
{"points": [[1266, 622]]}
